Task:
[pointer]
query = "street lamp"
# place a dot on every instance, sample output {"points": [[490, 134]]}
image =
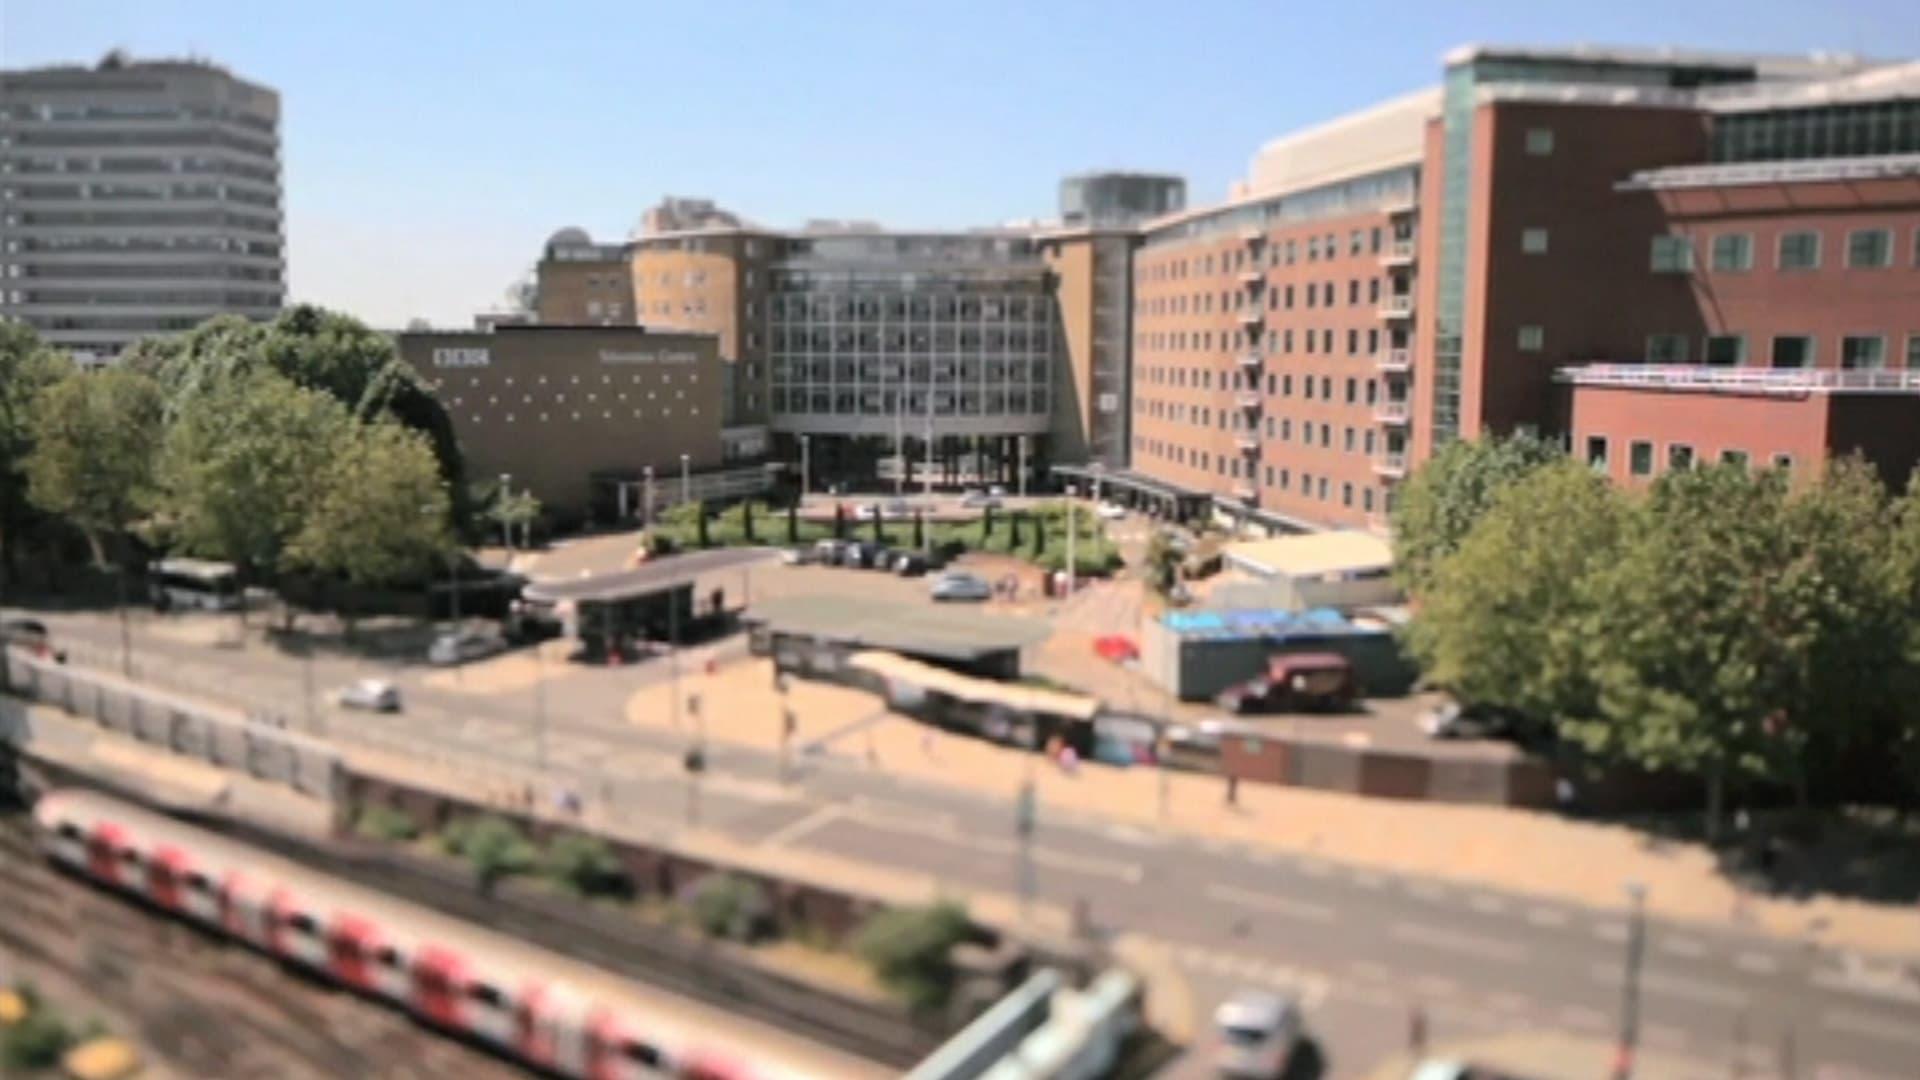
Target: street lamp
{"points": [[686, 480], [1630, 989], [506, 523], [806, 469], [646, 499]]}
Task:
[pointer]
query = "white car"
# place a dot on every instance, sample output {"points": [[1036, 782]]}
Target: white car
{"points": [[960, 585], [897, 508], [979, 500], [1259, 1032], [997, 491], [1111, 512], [372, 695], [461, 646]]}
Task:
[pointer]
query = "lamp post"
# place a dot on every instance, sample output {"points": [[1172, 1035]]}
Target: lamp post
{"points": [[686, 479], [1630, 988], [646, 497], [806, 469], [1023, 466]]}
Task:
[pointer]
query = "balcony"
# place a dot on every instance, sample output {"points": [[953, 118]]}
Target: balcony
{"points": [[1397, 306], [1245, 491], [1404, 206], [1247, 441], [1390, 411], [1251, 360], [1248, 399], [1253, 234], [1251, 315], [1392, 464], [1253, 279], [1398, 253], [1394, 361], [1793, 382]]}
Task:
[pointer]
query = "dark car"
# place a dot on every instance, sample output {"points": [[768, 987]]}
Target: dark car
{"points": [[868, 555], [30, 635], [1295, 682], [910, 563]]}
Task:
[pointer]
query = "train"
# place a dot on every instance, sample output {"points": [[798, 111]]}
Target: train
{"points": [[560, 1016]]}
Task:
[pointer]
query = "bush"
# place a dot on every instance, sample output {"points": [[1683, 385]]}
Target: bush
{"points": [[910, 951], [586, 866], [386, 824], [728, 906], [37, 1041], [495, 847]]}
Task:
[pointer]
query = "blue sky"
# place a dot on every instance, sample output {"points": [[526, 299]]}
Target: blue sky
{"points": [[430, 148]]}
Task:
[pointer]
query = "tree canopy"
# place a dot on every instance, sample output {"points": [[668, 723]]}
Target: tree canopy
{"points": [[92, 458], [28, 367], [378, 513], [1438, 505]]}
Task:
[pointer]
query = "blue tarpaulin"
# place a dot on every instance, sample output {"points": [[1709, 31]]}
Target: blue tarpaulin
{"points": [[1261, 623]]}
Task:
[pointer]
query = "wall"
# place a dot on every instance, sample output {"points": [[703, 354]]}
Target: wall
{"points": [[584, 292], [1071, 259], [1761, 424]]}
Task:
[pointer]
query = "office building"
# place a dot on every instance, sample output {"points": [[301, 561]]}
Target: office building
{"points": [[137, 197]]}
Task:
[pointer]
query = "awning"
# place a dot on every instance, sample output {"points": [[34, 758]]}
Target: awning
{"points": [[1032, 700]]}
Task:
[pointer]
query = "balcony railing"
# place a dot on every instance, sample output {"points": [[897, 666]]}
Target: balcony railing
{"points": [[1394, 361], [1252, 359], [1247, 399], [1245, 491], [1253, 279], [1253, 234], [1744, 380], [1389, 411], [1251, 315], [1247, 441], [1396, 306], [1392, 463], [1398, 253]]}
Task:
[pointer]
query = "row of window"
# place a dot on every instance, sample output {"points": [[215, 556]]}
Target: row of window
{"points": [[663, 413], [1640, 456], [1279, 478], [1352, 441], [1280, 342], [1279, 384], [1857, 351], [1799, 249], [1370, 241], [915, 371], [1279, 298], [901, 307], [941, 339], [826, 402]]}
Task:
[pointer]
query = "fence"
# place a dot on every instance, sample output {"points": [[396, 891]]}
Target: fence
{"points": [[175, 725]]}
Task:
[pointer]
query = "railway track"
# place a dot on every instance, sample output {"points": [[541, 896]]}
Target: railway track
{"points": [[205, 1006]]}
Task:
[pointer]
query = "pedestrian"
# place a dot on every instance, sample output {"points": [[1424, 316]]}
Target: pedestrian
{"points": [[1233, 791], [1417, 1030]]}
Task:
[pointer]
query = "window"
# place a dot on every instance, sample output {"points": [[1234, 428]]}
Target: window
{"points": [[1726, 350], [1733, 251], [1913, 351], [1533, 241], [1863, 351], [1597, 451], [1666, 348], [1539, 142], [1792, 351], [1672, 255], [1640, 458], [1733, 457], [1783, 462], [1799, 251], [1679, 457], [1869, 249], [1533, 338]]}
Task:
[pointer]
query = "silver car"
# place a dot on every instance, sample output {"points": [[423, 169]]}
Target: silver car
{"points": [[463, 646], [1259, 1032], [371, 695], [959, 585]]}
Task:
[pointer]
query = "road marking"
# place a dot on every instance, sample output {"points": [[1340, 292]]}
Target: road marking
{"points": [[947, 833], [1757, 963], [1369, 880], [1487, 903], [1127, 834], [1316, 868], [1454, 941], [1426, 891], [794, 830], [1610, 931], [1278, 905], [1681, 946], [1541, 916], [888, 810], [1656, 982], [1874, 1027]]}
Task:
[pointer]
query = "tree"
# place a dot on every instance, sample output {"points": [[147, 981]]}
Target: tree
{"points": [[1704, 633], [730, 906], [241, 464], [92, 460], [1039, 535], [496, 848], [911, 950], [746, 522], [919, 529], [839, 521], [1162, 563], [879, 532], [700, 524], [1013, 531], [586, 866], [1506, 618], [1440, 502], [379, 514], [27, 369], [986, 523], [793, 523], [513, 511]]}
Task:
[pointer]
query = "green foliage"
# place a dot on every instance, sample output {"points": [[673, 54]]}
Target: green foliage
{"points": [[512, 511], [793, 524], [585, 866], [839, 522], [746, 522], [919, 530], [730, 906], [1013, 530], [92, 459], [37, 1041], [386, 824], [911, 951], [240, 466], [1442, 500], [495, 846], [700, 524], [1163, 563], [27, 369], [1508, 614], [379, 514]]}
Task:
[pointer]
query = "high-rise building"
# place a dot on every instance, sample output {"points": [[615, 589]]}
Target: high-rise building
{"points": [[1108, 199], [137, 198]]}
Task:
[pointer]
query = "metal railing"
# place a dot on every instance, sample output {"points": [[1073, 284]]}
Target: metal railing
{"points": [[1391, 463], [1398, 252], [1397, 304], [1389, 411], [1748, 380], [1394, 360]]}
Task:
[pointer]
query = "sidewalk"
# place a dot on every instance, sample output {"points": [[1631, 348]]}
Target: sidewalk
{"points": [[1517, 850], [1558, 1057]]}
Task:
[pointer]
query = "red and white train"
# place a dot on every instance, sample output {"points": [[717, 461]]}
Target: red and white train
{"points": [[562, 1016]]}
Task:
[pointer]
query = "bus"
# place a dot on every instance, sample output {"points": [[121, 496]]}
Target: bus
{"points": [[195, 584]]}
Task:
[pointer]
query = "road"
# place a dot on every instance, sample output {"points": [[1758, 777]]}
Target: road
{"points": [[1362, 949]]}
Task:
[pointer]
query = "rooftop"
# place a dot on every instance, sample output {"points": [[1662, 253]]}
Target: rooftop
{"points": [[1742, 380], [1798, 171], [659, 575], [949, 632], [1312, 555]]}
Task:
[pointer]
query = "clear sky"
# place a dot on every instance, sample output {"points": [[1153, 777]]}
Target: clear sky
{"points": [[430, 148]]}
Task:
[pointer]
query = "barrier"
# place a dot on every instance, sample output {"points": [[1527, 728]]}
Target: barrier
{"points": [[994, 1034], [178, 726]]}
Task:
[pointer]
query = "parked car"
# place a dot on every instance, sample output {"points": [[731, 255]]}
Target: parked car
{"points": [[371, 695], [1452, 720], [1294, 682], [960, 585], [975, 499], [1259, 1032], [896, 509], [1194, 746], [867, 555], [464, 646], [910, 563], [997, 491], [795, 556], [31, 635], [866, 511], [1111, 512], [830, 552]]}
